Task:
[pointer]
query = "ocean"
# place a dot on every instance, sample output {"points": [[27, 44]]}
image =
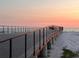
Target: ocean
{"points": [[71, 29], [69, 39]]}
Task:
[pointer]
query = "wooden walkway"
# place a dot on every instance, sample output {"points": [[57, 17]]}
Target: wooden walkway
{"points": [[27, 44]]}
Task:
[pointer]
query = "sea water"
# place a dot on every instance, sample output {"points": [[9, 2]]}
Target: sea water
{"points": [[69, 39], [71, 29]]}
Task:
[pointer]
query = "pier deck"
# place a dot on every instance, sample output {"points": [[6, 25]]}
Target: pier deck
{"points": [[28, 44]]}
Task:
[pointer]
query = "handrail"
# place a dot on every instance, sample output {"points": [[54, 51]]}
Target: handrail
{"points": [[18, 35], [15, 37], [13, 29], [12, 38]]}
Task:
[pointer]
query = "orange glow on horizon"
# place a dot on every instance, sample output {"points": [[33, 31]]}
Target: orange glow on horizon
{"points": [[41, 13]]}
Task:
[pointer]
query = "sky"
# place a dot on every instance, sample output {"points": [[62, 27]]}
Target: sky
{"points": [[40, 12]]}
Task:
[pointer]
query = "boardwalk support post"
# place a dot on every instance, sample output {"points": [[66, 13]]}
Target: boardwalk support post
{"points": [[49, 44], [34, 53], [43, 53], [52, 40]]}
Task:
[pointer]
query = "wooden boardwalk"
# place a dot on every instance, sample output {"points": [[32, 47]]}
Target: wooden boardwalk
{"points": [[27, 44]]}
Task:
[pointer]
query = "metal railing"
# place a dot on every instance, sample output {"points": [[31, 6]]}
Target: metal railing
{"points": [[25, 44], [4, 29]]}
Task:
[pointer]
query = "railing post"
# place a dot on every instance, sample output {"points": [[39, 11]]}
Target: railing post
{"points": [[25, 45], [18, 29], [46, 34], [15, 29], [25, 29], [11, 29], [3, 29], [10, 52], [8, 29], [22, 29], [39, 38], [43, 36], [34, 42]]}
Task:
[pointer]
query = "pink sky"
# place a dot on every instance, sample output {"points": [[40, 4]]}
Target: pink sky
{"points": [[40, 13]]}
